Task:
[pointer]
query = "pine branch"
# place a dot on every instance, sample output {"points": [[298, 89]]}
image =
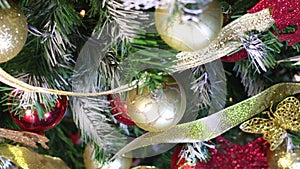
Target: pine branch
{"points": [[210, 83], [140, 4], [4, 4], [50, 52], [96, 71], [95, 125], [52, 28], [253, 82], [128, 21], [62, 146], [295, 60], [201, 86], [195, 152]]}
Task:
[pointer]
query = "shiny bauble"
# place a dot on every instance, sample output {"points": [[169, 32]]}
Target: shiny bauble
{"points": [[118, 163], [13, 32], [189, 36], [281, 159], [119, 110], [156, 110], [30, 121]]}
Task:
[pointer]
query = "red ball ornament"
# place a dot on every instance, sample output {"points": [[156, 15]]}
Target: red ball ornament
{"points": [[75, 138], [119, 110], [31, 121]]}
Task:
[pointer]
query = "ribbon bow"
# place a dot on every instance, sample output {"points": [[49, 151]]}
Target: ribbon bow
{"points": [[274, 130]]}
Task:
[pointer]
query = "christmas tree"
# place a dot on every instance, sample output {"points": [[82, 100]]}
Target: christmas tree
{"points": [[132, 84]]}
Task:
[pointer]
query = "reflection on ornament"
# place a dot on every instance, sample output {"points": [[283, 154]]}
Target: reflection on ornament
{"points": [[13, 32], [156, 110], [30, 120], [189, 35], [119, 163], [283, 159]]}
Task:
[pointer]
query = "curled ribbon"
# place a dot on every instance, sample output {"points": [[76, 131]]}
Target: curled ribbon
{"points": [[227, 41], [216, 124]]}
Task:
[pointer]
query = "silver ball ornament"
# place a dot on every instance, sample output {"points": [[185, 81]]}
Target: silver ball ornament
{"points": [[189, 35], [156, 110]]}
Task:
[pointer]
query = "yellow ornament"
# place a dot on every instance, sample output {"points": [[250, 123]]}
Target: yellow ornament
{"points": [[28, 159], [13, 32], [274, 130], [189, 35], [281, 159], [156, 110]]}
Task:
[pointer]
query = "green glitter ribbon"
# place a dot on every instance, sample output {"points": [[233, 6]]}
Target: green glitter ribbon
{"points": [[216, 124]]}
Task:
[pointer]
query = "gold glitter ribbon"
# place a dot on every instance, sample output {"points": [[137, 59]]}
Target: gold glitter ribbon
{"points": [[28, 159], [216, 124], [227, 41]]}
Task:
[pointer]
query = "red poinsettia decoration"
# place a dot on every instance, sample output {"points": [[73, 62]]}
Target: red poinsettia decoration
{"points": [[285, 13], [238, 56], [233, 156]]}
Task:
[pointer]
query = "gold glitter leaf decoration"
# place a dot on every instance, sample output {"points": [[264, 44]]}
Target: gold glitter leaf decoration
{"points": [[286, 117]]}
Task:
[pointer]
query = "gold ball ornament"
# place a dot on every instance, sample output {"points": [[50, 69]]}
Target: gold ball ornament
{"points": [[281, 159], [13, 32], [157, 110], [91, 163], [118, 163], [189, 35]]}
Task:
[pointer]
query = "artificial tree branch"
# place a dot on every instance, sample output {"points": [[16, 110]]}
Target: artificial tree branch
{"points": [[24, 137]]}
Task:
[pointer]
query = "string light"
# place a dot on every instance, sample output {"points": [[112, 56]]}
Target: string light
{"points": [[82, 13], [296, 78]]}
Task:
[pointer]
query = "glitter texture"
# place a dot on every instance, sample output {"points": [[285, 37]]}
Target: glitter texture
{"points": [[13, 32], [234, 156], [218, 123], [237, 56], [28, 159], [285, 13], [274, 130]]}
